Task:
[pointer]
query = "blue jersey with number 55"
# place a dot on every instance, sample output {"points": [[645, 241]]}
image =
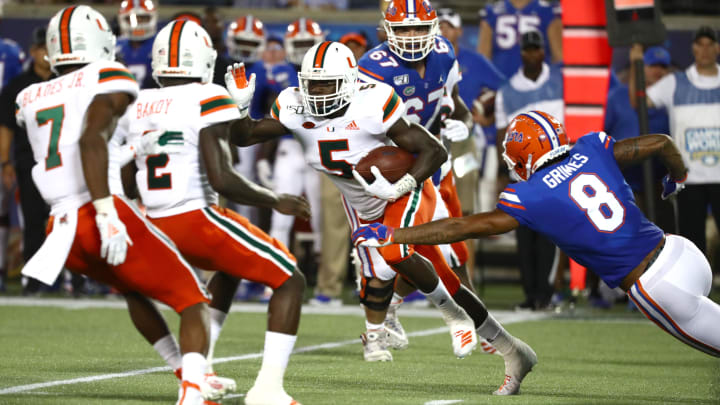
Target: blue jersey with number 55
{"points": [[509, 23], [584, 205], [423, 96]]}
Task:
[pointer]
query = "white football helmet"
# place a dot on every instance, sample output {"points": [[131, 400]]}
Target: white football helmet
{"points": [[328, 61], [78, 35], [137, 19], [245, 39], [301, 35], [408, 14], [183, 49]]}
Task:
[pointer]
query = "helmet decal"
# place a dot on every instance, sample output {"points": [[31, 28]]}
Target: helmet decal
{"points": [[320, 55], [174, 46], [65, 45]]}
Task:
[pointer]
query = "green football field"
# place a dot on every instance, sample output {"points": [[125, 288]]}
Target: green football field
{"points": [[83, 353]]}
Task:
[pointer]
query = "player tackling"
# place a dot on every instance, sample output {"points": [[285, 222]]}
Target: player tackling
{"points": [[578, 198], [339, 121]]}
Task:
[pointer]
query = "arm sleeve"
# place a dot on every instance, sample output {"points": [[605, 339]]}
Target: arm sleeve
{"points": [[19, 118], [217, 106], [661, 93], [514, 204], [392, 109], [453, 77]]}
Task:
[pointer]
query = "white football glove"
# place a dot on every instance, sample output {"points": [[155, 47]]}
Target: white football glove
{"points": [[113, 234], [264, 173], [151, 143], [241, 89], [454, 130], [382, 188]]}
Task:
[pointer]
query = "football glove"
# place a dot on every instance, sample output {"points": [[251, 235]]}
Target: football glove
{"points": [[113, 234], [241, 89], [382, 188], [373, 235], [672, 187], [454, 130], [264, 173], [151, 143]]}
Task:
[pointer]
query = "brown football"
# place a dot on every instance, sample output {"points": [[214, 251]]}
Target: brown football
{"points": [[392, 161]]}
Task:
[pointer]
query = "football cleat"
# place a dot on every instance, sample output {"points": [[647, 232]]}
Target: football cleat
{"points": [[487, 348], [397, 338], [189, 394], [214, 387], [263, 395], [464, 338], [518, 363], [375, 346]]}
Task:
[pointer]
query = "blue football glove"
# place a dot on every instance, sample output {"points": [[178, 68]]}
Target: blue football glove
{"points": [[672, 187], [373, 235]]}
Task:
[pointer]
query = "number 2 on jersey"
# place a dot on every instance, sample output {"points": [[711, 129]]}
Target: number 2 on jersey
{"points": [[601, 206], [155, 182], [55, 116]]}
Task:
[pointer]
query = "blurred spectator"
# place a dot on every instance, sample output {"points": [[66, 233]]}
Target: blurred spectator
{"points": [[692, 99], [18, 169], [301, 35], [138, 25], [536, 86], [357, 42], [503, 22]]}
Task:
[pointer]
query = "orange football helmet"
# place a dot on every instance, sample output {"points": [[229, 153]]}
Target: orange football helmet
{"points": [[301, 35], [137, 19], [531, 140], [417, 15], [245, 38]]}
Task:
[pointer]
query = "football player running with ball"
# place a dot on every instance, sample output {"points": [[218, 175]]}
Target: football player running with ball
{"points": [[339, 121], [579, 199], [180, 191]]}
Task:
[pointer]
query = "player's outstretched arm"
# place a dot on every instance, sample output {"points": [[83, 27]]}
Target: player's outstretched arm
{"points": [[247, 131], [215, 150], [431, 154], [452, 230], [634, 150]]}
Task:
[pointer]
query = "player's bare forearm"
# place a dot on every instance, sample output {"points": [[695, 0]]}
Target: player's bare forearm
{"points": [[554, 33], [634, 150], [431, 154], [223, 178], [100, 120], [247, 131], [462, 112], [485, 38], [452, 230]]}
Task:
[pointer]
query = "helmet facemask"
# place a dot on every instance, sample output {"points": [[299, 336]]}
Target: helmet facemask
{"points": [[411, 47], [324, 95], [138, 24]]}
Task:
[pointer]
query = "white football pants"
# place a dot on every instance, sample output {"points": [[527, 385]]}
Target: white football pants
{"points": [[673, 294]]}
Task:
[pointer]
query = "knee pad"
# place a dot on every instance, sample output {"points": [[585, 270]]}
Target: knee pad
{"points": [[376, 298]]}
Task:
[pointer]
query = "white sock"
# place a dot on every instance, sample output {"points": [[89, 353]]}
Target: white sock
{"points": [[494, 333], [395, 303], [217, 318], [169, 350], [276, 355], [373, 327], [445, 303], [194, 366]]}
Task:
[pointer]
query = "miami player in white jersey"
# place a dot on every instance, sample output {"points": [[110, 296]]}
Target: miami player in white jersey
{"points": [[339, 121], [68, 121], [180, 192]]}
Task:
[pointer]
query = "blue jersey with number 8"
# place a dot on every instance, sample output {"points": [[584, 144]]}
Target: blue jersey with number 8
{"points": [[584, 205]]}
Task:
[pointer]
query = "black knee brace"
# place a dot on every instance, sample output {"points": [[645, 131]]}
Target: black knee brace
{"points": [[376, 298]]}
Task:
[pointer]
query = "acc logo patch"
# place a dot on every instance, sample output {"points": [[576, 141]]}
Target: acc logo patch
{"points": [[401, 79], [409, 91], [308, 125]]}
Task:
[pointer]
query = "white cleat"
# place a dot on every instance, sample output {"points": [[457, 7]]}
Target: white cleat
{"points": [[259, 395], [189, 394], [397, 338], [464, 338], [487, 348], [214, 387], [518, 364], [375, 346]]}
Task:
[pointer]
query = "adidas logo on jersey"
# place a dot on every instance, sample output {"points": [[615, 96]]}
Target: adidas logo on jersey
{"points": [[352, 126]]}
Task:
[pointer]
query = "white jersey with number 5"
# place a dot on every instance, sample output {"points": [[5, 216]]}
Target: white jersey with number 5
{"points": [[176, 183], [335, 145], [53, 112]]}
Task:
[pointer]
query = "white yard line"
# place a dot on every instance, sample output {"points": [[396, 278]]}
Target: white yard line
{"points": [[505, 317]]}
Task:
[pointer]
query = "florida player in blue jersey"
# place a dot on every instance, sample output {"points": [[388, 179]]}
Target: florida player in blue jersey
{"points": [[579, 199], [504, 21], [138, 26], [420, 65], [12, 59]]}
